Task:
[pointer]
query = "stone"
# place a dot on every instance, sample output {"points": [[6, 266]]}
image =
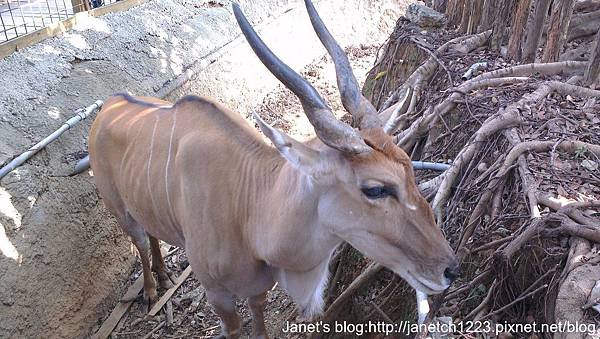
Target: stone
{"points": [[425, 16]]}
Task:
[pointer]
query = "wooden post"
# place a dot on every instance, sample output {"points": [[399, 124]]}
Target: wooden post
{"points": [[558, 28], [534, 29], [518, 29], [80, 5], [592, 73]]}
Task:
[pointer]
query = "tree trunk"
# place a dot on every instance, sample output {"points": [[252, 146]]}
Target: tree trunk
{"points": [[502, 15], [466, 13], [440, 5], [534, 29], [592, 73], [475, 17], [486, 16], [557, 29], [399, 59], [454, 11], [518, 29], [471, 16]]}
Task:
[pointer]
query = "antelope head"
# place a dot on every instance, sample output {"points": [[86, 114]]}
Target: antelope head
{"points": [[367, 191]]}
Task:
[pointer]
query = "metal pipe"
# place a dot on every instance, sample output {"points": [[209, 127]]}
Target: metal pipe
{"points": [[474, 68], [434, 166], [4, 28], [84, 164], [81, 165], [18, 161], [23, 18]]}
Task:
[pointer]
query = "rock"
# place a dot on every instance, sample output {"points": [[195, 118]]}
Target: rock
{"points": [[424, 16], [591, 165]]}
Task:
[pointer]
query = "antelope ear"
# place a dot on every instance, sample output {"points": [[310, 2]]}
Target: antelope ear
{"points": [[296, 153]]}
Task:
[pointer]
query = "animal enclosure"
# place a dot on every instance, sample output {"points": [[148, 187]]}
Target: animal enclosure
{"points": [[516, 131], [20, 17], [144, 51]]}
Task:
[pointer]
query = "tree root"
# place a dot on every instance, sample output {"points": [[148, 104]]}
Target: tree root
{"points": [[410, 90], [407, 138], [507, 117], [540, 146], [505, 76], [506, 238], [510, 116], [550, 68]]}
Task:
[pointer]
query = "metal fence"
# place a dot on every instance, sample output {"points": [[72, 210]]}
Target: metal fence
{"points": [[20, 17]]}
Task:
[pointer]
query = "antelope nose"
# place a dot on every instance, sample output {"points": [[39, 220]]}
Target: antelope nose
{"points": [[451, 272]]}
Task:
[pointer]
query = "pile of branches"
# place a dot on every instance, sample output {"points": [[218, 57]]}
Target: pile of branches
{"points": [[520, 203]]}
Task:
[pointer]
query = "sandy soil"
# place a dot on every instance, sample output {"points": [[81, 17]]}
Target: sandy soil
{"points": [[63, 260]]}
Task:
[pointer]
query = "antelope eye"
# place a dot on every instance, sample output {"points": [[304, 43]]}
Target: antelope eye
{"points": [[376, 192]]}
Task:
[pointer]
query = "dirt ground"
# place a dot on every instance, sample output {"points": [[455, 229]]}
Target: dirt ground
{"points": [[192, 316], [63, 260], [63, 257]]}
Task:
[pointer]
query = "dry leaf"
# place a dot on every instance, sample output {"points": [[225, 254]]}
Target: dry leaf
{"points": [[561, 191], [590, 164]]}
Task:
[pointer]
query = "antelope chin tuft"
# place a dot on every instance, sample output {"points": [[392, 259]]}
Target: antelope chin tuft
{"points": [[316, 303]]}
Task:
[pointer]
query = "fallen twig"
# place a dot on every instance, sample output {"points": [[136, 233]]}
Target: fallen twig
{"points": [[169, 313], [359, 282], [520, 298], [158, 327], [118, 312], [169, 293], [381, 313], [477, 310]]}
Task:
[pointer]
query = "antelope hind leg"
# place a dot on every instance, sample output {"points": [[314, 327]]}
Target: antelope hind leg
{"points": [[257, 304], [158, 265], [140, 240], [222, 302]]}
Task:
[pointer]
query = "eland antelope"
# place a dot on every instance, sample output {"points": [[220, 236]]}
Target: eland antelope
{"points": [[248, 214]]}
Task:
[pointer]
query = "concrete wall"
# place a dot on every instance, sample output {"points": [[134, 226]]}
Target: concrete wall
{"points": [[63, 260]]}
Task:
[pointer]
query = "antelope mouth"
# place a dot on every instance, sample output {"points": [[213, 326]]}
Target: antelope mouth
{"points": [[424, 285], [417, 281]]}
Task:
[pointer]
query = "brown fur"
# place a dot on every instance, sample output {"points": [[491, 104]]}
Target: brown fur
{"points": [[197, 176]]}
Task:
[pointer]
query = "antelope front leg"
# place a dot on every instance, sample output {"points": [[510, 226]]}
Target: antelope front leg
{"points": [[222, 302], [257, 304], [158, 264]]}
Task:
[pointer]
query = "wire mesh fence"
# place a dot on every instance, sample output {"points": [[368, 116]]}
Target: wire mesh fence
{"points": [[20, 17]]}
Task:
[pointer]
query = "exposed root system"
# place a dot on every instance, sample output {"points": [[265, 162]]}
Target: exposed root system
{"points": [[520, 202]]}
